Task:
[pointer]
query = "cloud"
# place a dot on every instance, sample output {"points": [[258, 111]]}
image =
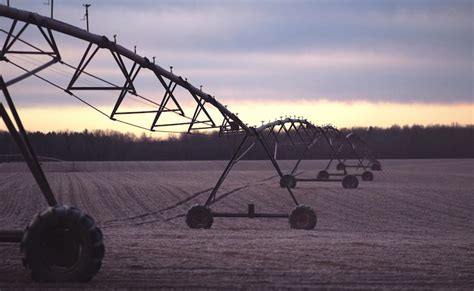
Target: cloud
{"points": [[394, 51]]}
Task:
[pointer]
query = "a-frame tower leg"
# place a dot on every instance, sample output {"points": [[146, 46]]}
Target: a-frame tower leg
{"points": [[17, 131]]}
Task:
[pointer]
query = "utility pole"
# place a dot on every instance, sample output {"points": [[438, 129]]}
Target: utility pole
{"points": [[8, 3], [86, 16]]}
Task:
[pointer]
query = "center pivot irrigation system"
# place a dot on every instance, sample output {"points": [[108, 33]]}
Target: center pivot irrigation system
{"points": [[347, 147], [64, 244]]}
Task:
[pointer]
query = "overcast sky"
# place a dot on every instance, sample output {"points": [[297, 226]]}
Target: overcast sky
{"points": [[349, 51]]}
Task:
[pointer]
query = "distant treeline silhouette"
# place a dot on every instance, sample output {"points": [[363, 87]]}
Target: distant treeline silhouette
{"points": [[394, 143]]}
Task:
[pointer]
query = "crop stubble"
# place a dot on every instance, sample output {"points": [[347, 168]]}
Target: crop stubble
{"points": [[412, 227]]}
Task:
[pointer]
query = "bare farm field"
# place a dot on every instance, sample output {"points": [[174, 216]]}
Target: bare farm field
{"points": [[412, 227]]}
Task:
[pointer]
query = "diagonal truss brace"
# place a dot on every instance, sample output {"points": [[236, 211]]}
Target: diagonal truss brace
{"points": [[238, 154], [12, 38], [18, 132]]}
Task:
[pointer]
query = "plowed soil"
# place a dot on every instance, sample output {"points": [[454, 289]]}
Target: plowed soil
{"points": [[412, 227]]}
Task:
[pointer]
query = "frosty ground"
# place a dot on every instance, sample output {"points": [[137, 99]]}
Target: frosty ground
{"points": [[413, 226]]}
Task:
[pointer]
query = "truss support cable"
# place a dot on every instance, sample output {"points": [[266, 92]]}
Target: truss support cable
{"points": [[227, 169], [88, 104], [30, 73]]}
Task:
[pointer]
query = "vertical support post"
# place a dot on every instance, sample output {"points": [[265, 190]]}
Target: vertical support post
{"points": [[251, 210], [303, 155], [356, 154], [274, 162], [275, 152], [335, 153], [269, 154]]}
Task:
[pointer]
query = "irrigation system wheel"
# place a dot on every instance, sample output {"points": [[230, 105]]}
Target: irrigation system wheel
{"points": [[350, 182], [302, 217], [62, 244], [376, 167], [367, 176], [340, 167], [199, 216], [322, 175], [288, 181]]}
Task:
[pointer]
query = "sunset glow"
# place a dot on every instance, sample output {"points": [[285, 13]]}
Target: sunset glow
{"points": [[340, 114]]}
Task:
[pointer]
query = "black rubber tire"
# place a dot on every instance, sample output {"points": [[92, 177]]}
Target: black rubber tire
{"points": [[340, 167], [376, 167], [350, 182], [323, 175], [367, 176], [302, 217], [199, 216], [62, 244], [288, 181]]}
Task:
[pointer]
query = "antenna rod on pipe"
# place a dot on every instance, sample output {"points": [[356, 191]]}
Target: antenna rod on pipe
{"points": [[52, 5], [86, 16]]}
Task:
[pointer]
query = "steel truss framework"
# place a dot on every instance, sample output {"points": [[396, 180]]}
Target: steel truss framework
{"points": [[297, 138], [170, 103], [294, 130], [298, 132], [303, 136], [350, 147]]}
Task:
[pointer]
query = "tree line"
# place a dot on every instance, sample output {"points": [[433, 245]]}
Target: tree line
{"points": [[396, 142]]}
